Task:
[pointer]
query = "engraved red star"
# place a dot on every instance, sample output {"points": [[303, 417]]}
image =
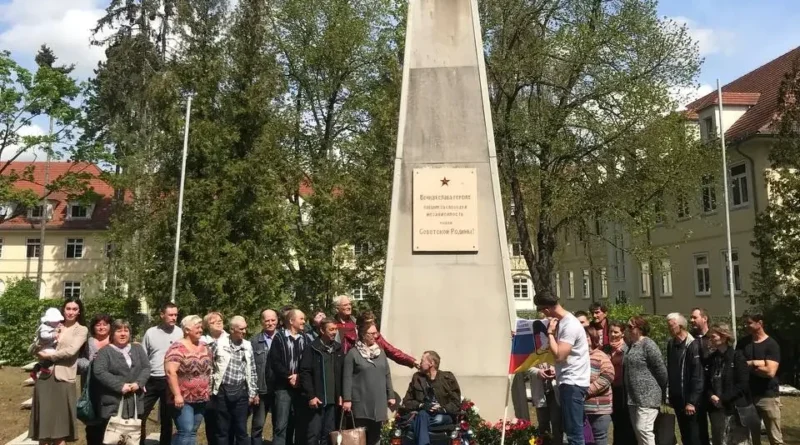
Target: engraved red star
{"points": [[445, 181]]}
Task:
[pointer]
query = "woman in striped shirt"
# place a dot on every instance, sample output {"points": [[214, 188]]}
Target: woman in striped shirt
{"points": [[599, 399]]}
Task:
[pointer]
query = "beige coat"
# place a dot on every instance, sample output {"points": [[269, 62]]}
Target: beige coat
{"points": [[65, 357]]}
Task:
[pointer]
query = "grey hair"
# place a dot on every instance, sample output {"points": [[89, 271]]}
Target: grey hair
{"points": [[680, 319], [237, 321], [339, 300], [190, 321], [434, 357]]}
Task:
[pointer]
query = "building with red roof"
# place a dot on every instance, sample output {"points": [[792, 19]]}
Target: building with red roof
{"points": [[75, 247]]}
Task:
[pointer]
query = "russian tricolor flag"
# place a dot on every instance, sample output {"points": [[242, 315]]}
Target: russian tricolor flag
{"points": [[529, 346]]}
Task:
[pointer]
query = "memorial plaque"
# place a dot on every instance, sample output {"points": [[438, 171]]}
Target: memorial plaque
{"points": [[445, 210]]}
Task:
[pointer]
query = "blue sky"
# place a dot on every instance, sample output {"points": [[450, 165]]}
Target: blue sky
{"points": [[735, 36]]}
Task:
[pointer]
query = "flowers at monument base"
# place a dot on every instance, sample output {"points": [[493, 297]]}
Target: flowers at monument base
{"points": [[476, 431]]}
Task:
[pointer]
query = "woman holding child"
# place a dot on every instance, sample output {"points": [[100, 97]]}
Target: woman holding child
{"points": [[53, 413]]}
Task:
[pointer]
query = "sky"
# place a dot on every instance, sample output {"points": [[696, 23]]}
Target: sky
{"points": [[734, 36]]}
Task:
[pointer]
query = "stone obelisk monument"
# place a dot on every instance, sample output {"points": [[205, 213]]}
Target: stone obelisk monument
{"points": [[448, 281]]}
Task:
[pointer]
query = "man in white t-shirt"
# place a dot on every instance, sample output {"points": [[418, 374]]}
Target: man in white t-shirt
{"points": [[567, 340]]}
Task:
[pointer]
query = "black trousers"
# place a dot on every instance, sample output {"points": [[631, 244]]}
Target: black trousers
{"points": [[157, 390], [231, 405], [95, 432], [259, 418], [688, 425], [623, 429], [702, 423], [321, 423], [373, 430], [210, 419]]}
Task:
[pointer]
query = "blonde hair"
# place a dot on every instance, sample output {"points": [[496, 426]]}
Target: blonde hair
{"points": [[190, 321], [339, 300], [208, 317], [723, 331]]}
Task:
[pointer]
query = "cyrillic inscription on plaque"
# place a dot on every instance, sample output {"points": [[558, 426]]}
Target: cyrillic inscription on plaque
{"points": [[445, 210]]}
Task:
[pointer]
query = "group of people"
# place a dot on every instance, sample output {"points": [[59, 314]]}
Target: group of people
{"points": [[307, 375], [609, 372]]}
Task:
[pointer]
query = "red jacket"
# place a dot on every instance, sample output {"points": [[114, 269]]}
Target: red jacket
{"points": [[348, 336], [396, 355]]}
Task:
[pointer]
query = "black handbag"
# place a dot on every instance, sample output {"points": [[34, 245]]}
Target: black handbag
{"points": [[85, 408], [664, 428], [748, 416]]}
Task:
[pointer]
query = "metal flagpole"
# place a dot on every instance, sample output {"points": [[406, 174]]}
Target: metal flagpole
{"points": [[505, 412], [180, 197], [731, 279]]}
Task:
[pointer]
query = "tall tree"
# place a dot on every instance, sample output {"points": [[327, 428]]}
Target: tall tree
{"points": [[580, 94], [337, 59], [26, 98]]}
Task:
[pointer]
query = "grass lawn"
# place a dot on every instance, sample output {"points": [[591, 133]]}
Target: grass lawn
{"points": [[14, 421]]}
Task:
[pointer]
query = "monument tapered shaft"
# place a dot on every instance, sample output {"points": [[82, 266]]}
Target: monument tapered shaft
{"points": [[448, 277]]}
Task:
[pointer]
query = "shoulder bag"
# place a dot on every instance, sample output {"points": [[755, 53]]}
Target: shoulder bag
{"points": [[124, 431], [356, 436], [85, 408]]}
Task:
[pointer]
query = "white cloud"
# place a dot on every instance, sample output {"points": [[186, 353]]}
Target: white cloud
{"points": [[687, 95], [64, 25], [709, 40], [31, 154]]}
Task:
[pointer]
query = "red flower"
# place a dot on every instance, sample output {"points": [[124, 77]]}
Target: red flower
{"points": [[464, 425]]}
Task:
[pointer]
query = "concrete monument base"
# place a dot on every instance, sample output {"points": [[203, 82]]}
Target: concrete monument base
{"points": [[448, 278]]}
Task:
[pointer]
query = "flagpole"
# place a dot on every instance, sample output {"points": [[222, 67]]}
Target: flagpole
{"points": [[505, 411], [180, 198], [731, 279]]}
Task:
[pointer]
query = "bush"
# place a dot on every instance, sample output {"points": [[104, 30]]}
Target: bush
{"points": [[20, 313], [117, 306]]}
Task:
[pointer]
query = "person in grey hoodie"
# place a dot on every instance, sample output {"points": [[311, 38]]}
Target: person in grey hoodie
{"points": [[645, 380]]}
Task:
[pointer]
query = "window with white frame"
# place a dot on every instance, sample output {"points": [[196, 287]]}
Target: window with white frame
{"points": [[645, 279], [737, 280], [33, 247], [711, 130], [557, 282], [74, 248], [702, 276], [571, 284], [683, 207], [666, 278], [37, 212], [619, 256], [587, 284], [522, 287], [603, 283], [109, 250], [516, 248], [359, 293], [72, 289], [77, 210], [709, 194], [622, 298], [361, 249], [739, 192]]}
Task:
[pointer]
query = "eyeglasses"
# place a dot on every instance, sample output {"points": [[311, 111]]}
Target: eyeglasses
{"points": [[371, 333]]}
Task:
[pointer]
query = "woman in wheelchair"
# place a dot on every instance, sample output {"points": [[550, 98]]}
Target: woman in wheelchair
{"points": [[433, 398]]}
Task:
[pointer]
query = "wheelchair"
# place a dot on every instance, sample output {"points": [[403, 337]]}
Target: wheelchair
{"points": [[443, 434]]}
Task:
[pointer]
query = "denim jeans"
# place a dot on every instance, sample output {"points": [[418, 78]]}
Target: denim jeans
{"points": [[422, 423], [187, 421], [259, 417], [572, 402], [600, 423], [285, 425]]}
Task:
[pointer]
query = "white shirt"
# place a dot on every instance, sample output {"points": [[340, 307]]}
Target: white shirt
{"points": [[577, 369]]}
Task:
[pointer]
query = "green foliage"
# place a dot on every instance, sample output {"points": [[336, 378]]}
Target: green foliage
{"points": [[583, 114], [118, 306], [20, 313]]}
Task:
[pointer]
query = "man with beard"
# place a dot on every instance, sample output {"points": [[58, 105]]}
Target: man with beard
{"points": [[705, 412]]}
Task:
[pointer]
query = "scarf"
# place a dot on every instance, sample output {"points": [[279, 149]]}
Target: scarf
{"points": [[126, 352], [617, 344], [368, 352]]}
